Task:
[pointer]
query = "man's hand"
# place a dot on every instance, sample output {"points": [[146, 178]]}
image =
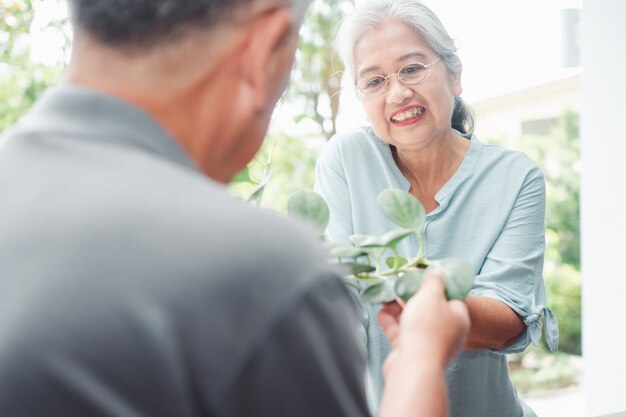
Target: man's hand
{"points": [[429, 327], [425, 336]]}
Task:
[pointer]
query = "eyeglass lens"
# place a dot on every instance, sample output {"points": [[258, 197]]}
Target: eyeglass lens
{"points": [[409, 74]]}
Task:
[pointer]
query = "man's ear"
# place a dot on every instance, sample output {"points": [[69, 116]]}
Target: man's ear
{"points": [[266, 58]]}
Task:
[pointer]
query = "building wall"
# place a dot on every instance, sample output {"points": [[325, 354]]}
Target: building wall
{"points": [[526, 111], [603, 223]]}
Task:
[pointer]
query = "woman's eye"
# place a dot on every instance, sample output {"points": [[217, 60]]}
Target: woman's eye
{"points": [[374, 82], [412, 69]]}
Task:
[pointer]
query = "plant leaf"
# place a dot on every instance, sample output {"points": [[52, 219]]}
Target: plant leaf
{"points": [[380, 292], [459, 276], [358, 239], [346, 252], [356, 268], [401, 261], [403, 209], [309, 206], [409, 283], [242, 176], [257, 194], [389, 239]]}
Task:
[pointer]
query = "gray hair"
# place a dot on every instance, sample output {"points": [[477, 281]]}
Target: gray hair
{"points": [[370, 15], [145, 23]]}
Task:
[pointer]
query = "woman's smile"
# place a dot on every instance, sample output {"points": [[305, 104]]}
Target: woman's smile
{"points": [[407, 115]]}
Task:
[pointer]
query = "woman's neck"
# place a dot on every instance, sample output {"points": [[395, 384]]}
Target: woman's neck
{"points": [[431, 167]]}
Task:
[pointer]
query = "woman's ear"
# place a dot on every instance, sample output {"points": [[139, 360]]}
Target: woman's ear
{"points": [[457, 86]]}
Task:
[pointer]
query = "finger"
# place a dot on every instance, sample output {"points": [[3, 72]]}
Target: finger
{"points": [[433, 281], [390, 326], [386, 319], [392, 308]]}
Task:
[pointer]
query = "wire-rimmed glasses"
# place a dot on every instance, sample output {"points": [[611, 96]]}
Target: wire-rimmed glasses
{"points": [[373, 85]]}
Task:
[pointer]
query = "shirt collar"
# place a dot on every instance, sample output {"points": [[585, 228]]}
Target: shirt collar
{"points": [[79, 111]]}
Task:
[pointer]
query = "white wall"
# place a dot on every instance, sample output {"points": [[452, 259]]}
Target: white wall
{"points": [[502, 116], [603, 217]]}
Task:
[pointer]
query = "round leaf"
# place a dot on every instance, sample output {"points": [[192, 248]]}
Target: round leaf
{"points": [[381, 292], [356, 268], [459, 276], [389, 239], [309, 206], [341, 250], [409, 283], [403, 209]]}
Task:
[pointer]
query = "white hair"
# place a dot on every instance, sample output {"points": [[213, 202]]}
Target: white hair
{"points": [[370, 15]]}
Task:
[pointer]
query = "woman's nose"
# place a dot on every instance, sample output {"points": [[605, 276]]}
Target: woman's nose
{"points": [[398, 91]]}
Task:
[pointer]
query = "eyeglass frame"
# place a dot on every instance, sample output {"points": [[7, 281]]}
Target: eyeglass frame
{"points": [[397, 74]]}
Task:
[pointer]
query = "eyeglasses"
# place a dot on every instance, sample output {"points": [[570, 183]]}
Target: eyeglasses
{"points": [[408, 74]]}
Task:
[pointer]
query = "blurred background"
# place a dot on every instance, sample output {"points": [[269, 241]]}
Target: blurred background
{"points": [[521, 76]]}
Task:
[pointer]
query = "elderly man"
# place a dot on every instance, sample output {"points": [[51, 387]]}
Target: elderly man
{"points": [[132, 284]]}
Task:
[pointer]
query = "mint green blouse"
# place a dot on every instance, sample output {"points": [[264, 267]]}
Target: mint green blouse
{"points": [[491, 213]]}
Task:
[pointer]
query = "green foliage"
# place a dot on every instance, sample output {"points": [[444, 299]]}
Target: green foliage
{"points": [[292, 168], [563, 288], [404, 276], [559, 156], [538, 371], [16, 17], [406, 212], [21, 79], [316, 80], [311, 208]]}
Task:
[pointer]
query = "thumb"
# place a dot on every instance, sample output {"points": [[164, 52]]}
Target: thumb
{"points": [[433, 281]]}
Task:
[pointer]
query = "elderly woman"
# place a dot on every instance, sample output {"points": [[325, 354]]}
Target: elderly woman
{"points": [[484, 203]]}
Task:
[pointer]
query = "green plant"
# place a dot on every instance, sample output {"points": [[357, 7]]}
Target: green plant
{"points": [[256, 195], [537, 371], [563, 288], [288, 173], [23, 80], [374, 261]]}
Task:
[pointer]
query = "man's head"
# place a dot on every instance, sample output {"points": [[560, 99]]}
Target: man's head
{"points": [[209, 71]]}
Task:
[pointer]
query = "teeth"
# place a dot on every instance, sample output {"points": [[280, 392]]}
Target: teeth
{"points": [[414, 112]]}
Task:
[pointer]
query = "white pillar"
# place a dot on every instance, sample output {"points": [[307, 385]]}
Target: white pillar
{"points": [[603, 205]]}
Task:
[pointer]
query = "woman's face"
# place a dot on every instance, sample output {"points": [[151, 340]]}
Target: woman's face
{"points": [[410, 115]]}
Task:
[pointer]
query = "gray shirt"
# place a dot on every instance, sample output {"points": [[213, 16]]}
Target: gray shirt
{"points": [[132, 285]]}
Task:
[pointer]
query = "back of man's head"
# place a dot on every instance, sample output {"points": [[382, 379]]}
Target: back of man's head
{"points": [[208, 71], [137, 24]]}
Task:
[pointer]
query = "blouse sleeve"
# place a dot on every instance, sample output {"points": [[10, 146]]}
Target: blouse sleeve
{"points": [[330, 183], [512, 271]]}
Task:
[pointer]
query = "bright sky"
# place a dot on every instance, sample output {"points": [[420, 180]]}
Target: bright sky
{"points": [[505, 45]]}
